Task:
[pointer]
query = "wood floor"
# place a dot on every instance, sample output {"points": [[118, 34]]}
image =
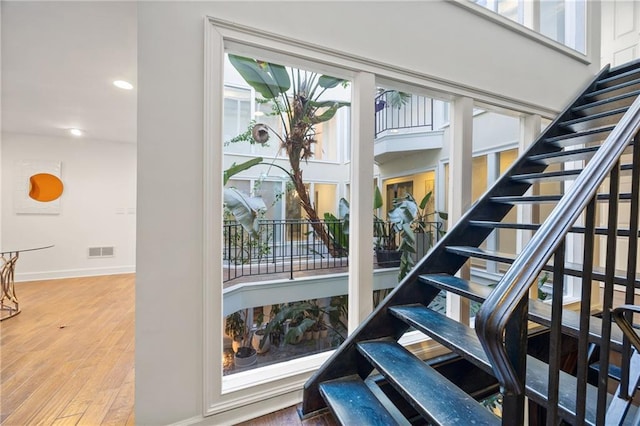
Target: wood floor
{"points": [[68, 357]]}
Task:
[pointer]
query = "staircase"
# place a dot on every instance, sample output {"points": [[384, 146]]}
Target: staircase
{"points": [[505, 352]]}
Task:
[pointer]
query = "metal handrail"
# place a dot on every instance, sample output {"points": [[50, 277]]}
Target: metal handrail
{"points": [[625, 325], [502, 304]]}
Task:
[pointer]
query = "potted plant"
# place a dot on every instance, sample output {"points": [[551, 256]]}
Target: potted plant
{"points": [[303, 318], [260, 341], [384, 233], [237, 328]]}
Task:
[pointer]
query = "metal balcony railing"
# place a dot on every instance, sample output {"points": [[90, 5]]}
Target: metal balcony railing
{"points": [[282, 246], [395, 112], [289, 246]]}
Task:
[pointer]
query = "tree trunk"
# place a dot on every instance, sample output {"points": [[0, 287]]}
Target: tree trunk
{"points": [[317, 224]]}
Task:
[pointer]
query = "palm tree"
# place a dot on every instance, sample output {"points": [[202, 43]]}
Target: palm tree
{"points": [[295, 97]]}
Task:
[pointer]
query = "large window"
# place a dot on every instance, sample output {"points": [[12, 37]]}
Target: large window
{"points": [[561, 20], [278, 229]]}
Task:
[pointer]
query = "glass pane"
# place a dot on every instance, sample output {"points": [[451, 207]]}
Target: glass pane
{"points": [[275, 230], [552, 19]]}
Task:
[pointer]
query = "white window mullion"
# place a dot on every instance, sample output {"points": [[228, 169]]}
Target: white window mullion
{"points": [[361, 200]]}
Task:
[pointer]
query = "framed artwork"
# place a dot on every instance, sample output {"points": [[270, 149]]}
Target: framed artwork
{"points": [[38, 187]]}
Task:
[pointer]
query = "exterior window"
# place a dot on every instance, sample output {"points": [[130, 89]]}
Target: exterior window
{"points": [[270, 235], [237, 111], [561, 20]]}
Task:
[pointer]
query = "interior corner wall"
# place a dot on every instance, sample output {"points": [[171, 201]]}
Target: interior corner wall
{"points": [[97, 207], [435, 38]]}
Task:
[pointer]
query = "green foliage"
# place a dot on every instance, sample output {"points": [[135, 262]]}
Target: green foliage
{"points": [[410, 218], [541, 282], [237, 168], [296, 97], [303, 316], [237, 328]]}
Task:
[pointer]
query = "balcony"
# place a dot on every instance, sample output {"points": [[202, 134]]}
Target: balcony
{"points": [[404, 127]]}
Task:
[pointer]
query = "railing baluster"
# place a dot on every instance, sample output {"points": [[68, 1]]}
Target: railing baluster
{"points": [[632, 255], [610, 269], [585, 313], [291, 250], [516, 339], [417, 112], [555, 338]]}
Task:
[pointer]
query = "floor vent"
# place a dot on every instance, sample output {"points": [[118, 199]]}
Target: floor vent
{"points": [[101, 252]]}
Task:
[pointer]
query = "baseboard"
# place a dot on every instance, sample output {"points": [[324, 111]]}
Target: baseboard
{"points": [[72, 273], [246, 412]]}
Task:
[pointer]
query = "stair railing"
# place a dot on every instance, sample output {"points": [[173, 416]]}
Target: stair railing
{"points": [[502, 318]]}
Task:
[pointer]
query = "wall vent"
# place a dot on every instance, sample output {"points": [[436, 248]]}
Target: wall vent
{"points": [[95, 252]]}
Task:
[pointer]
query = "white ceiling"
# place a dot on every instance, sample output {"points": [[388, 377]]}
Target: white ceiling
{"points": [[59, 61]]}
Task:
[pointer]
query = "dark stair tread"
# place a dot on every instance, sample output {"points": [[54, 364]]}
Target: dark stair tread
{"points": [[536, 226], [585, 136], [556, 175], [620, 86], [595, 120], [352, 402], [470, 290], [619, 73], [613, 102], [615, 372], [464, 341], [430, 393], [571, 269], [539, 312], [566, 155], [539, 199]]}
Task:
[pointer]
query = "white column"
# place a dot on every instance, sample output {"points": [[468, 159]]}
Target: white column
{"points": [[529, 130], [361, 200], [530, 126], [493, 173], [460, 163]]}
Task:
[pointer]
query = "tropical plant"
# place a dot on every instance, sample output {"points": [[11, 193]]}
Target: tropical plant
{"points": [[408, 218], [237, 328], [296, 97], [383, 237], [303, 316], [244, 208]]}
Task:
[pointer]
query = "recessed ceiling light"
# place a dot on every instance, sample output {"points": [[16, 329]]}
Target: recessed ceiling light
{"points": [[123, 84], [76, 132]]}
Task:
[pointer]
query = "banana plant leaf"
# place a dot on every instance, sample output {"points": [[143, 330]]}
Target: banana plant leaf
{"points": [[269, 80], [237, 168], [245, 209], [328, 82]]}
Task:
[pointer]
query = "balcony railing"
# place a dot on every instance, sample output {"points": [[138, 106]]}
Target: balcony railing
{"points": [[290, 246], [282, 246], [412, 112]]}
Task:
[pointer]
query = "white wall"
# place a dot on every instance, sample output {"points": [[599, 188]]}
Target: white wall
{"points": [[97, 207], [429, 37]]}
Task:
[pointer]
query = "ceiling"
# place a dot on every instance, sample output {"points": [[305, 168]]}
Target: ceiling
{"points": [[59, 61]]}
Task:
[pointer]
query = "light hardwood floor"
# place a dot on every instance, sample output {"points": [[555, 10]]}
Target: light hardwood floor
{"points": [[68, 357]]}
